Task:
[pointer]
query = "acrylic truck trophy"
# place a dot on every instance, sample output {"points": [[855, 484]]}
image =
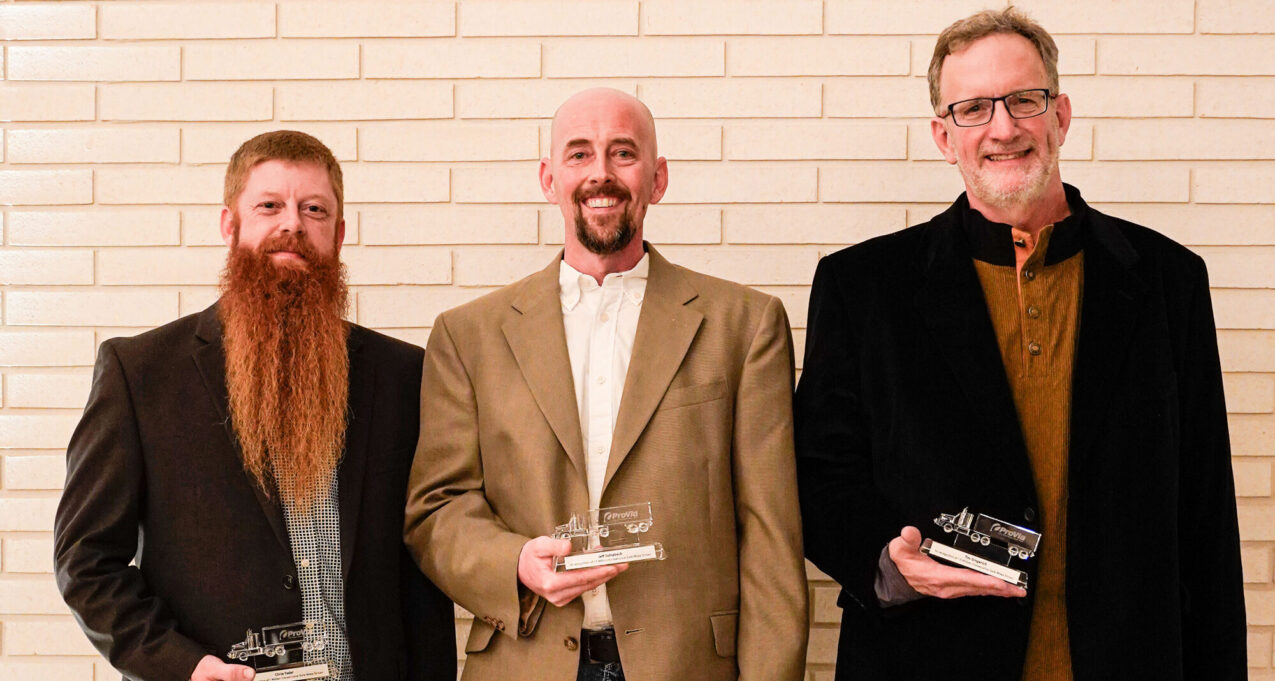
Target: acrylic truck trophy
{"points": [[278, 652], [984, 544], [606, 536]]}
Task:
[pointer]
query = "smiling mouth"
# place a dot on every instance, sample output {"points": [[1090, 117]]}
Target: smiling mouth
{"points": [[601, 202], [1007, 156]]}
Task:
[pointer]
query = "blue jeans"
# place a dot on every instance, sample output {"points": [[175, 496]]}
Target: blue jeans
{"points": [[601, 671]]}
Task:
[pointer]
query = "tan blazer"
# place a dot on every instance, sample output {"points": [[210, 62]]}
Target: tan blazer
{"points": [[704, 432]]}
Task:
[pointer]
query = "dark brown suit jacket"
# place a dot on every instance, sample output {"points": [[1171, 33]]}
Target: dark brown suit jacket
{"points": [[153, 473]]}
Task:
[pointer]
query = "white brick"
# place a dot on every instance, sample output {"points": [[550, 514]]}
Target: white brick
{"points": [[471, 58], [186, 102], [1203, 225], [201, 226], [499, 265], [504, 183], [47, 22], [771, 265], [28, 554], [1191, 139], [187, 20], [1187, 56], [447, 224], [27, 595], [817, 57], [877, 98], [395, 183], [357, 20], [678, 141], [46, 348], [47, 102], [34, 431], [449, 141], [548, 17], [890, 183], [150, 266], [735, 98], [38, 472], [1257, 523], [400, 265], [1100, 16], [1241, 308], [1252, 478], [33, 268], [90, 308], [789, 140], [523, 99], [408, 306], [1075, 56], [113, 63], [634, 57], [818, 224], [364, 101], [1135, 183], [116, 144], [1239, 267], [1235, 97], [1252, 435], [715, 183], [1234, 183], [197, 299], [47, 670], [796, 300], [216, 142], [62, 636], [1259, 651], [256, 60], [902, 17], [61, 390], [45, 187], [664, 224], [1234, 16], [1133, 97], [132, 227], [160, 185], [1245, 351], [1249, 393], [740, 17], [1077, 147], [1256, 563]]}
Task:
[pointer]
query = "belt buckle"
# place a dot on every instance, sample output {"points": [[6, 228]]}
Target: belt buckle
{"points": [[599, 646]]}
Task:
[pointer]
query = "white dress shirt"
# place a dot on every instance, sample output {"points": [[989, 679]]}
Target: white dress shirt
{"points": [[600, 323]]}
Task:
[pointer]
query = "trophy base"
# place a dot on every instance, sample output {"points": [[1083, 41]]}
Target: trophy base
{"points": [[973, 562], [632, 554], [311, 671]]}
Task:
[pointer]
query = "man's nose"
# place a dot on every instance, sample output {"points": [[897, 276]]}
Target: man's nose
{"points": [[290, 219], [1002, 124], [600, 171]]}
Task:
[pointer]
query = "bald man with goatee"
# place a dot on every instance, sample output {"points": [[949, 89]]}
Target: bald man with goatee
{"points": [[244, 467]]}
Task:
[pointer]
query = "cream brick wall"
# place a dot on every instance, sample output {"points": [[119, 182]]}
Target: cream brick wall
{"points": [[794, 127]]}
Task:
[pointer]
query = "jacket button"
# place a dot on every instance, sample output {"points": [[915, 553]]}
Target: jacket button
{"points": [[500, 625], [289, 582], [570, 643], [1029, 514]]}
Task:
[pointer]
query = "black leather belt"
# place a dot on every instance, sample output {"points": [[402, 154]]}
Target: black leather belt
{"points": [[599, 647]]}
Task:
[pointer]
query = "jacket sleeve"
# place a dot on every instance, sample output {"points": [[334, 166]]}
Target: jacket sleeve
{"points": [[450, 529], [96, 537], [1213, 635], [846, 521], [773, 622]]}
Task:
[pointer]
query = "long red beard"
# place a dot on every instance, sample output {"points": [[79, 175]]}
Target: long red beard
{"points": [[287, 367]]}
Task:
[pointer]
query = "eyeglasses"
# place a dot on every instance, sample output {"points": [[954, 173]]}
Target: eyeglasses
{"points": [[969, 113]]}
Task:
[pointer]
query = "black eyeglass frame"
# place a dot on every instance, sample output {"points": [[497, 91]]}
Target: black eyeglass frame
{"points": [[1004, 104]]}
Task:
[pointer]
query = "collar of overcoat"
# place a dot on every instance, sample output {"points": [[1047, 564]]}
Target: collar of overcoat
{"points": [[666, 328], [210, 357]]}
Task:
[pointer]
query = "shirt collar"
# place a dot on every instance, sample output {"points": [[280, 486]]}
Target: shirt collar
{"points": [[993, 242], [573, 284]]}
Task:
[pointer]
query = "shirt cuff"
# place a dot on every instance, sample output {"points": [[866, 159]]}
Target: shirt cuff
{"points": [[890, 585]]}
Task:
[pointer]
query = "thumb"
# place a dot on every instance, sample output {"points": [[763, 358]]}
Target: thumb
{"points": [[912, 536]]}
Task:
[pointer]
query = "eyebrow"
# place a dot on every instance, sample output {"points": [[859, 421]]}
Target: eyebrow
{"points": [[618, 141]]}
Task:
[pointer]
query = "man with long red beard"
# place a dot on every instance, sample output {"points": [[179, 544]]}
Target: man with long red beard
{"points": [[613, 377], [252, 459], [1031, 359]]}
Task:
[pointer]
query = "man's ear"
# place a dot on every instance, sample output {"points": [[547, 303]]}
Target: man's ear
{"points": [[661, 179], [1062, 107], [227, 226], [546, 181], [340, 234], [939, 131]]}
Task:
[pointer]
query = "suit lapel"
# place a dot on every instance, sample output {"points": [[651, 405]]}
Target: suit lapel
{"points": [[210, 357], [354, 461], [951, 303], [539, 344], [1110, 305], [665, 330]]}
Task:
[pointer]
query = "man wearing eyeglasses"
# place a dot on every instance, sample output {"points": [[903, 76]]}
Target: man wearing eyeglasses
{"points": [[1031, 359]]}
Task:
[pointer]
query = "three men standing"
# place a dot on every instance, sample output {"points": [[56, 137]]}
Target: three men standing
{"points": [[1030, 358], [613, 377]]}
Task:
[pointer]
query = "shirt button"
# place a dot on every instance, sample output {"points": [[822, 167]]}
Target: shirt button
{"points": [[602, 379], [604, 316], [289, 582], [305, 562], [1034, 348], [1033, 312], [599, 449], [1029, 274], [1029, 514], [571, 643]]}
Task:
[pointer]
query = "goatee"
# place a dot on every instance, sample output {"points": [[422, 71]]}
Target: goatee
{"points": [[604, 242], [287, 367]]}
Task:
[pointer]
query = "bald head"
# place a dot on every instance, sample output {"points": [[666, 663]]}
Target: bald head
{"points": [[597, 104]]}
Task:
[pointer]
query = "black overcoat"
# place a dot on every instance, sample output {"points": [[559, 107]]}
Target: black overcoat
{"points": [[904, 411], [153, 471]]}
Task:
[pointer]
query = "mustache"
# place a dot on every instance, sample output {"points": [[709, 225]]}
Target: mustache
{"points": [[292, 242], [615, 191]]}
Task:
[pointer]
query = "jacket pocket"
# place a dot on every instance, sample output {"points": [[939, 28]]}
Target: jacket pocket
{"points": [[693, 394], [725, 626], [479, 637]]}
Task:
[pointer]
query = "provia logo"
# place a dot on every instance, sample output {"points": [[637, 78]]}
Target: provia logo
{"points": [[613, 516], [1007, 532], [292, 633]]}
